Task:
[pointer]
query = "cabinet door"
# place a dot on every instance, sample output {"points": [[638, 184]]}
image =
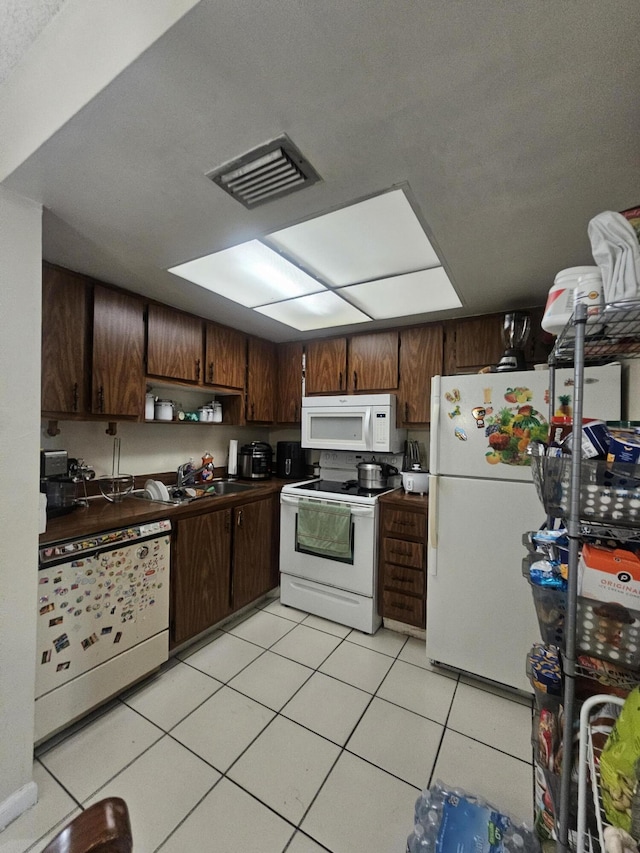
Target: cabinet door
{"points": [[326, 366], [373, 362], [65, 341], [421, 352], [174, 344], [254, 572], [225, 357], [289, 383], [200, 574], [473, 344], [261, 382], [118, 350]]}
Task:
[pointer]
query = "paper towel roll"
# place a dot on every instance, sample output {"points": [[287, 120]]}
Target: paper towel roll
{"points": [[232, 464]]}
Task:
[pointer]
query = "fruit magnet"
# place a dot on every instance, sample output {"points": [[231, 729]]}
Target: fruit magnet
{"points": [[510, 429]]}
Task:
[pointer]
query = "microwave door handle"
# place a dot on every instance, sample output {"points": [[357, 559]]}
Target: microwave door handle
{"points": [[368, 432]]}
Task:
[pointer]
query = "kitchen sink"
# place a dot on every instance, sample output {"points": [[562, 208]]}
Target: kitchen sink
{"points": [[226, 487], [142, 495], [178, 496]]}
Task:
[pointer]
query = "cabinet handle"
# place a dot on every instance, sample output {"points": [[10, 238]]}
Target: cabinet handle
{"points": [[355, 380], [197, 369], [406, 411], [76, 397], [400, 553], [253, 410], [340, 381], [400, 580], [239, 521], [101, 399], [211, 372]]}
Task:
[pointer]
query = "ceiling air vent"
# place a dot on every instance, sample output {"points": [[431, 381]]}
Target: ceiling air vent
{"points": [[271, 171]]}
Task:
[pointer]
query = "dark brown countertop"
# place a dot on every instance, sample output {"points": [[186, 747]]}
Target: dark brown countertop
{"points": [[404, 499], [100, 515]]}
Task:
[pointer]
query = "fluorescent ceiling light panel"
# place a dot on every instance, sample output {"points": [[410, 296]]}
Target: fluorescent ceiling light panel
{"points": [[414, 293], [318, 311], [250, 273], [378, 237]]}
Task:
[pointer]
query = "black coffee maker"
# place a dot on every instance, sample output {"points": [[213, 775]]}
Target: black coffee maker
{"points": [[56, 483], [290, 460]]}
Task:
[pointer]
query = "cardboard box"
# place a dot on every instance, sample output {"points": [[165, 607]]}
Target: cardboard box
{"points": [[610, 576]]}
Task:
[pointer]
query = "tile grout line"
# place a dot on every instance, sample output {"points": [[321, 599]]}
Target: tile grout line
{"points": [[342, 748]]}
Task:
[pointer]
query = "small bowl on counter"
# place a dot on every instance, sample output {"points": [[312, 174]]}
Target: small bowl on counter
{"points": [[116, 488]]}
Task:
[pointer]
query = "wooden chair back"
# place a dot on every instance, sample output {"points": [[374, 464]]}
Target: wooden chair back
{"points": [[102, 828]]}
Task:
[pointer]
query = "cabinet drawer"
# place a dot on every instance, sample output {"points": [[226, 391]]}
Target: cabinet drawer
{"points": [[403, 553], [402, 579], [403, 608], [396, 522]]}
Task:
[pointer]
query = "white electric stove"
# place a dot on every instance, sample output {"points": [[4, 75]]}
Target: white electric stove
{"points": [[339, 581]]}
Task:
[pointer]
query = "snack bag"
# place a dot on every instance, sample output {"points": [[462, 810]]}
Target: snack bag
{"points": [[617, 763]]}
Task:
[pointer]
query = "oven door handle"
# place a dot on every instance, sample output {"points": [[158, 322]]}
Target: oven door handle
{"points": [[356, 509]]}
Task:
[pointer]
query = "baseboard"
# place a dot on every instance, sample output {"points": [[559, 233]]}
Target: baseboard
{"points": [[403, 628], [18, 802]]}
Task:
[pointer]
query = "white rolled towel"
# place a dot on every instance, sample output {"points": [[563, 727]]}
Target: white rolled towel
{"points": [[232, 462], [615, 249]]}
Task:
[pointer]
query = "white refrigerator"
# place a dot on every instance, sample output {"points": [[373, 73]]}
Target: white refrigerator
{"points": [[480, 615]]}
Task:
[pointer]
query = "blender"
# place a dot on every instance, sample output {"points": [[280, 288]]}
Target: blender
{"points": [[515, 331]]}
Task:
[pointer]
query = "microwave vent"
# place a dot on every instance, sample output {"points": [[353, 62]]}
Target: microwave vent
{"points": [[268, 172]]}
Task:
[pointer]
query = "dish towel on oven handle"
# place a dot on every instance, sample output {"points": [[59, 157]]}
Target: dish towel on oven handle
{"points": [[324, 529]]}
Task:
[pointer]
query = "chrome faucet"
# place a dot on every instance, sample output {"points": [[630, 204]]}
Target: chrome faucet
{"points": [[184, 476]]}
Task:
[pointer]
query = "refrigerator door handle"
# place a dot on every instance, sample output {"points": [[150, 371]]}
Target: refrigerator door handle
{"points": [[433, 525], [434, 455]]}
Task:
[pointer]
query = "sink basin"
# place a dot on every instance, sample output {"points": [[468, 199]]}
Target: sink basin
{"points": [[226, 487], [216, 488]]}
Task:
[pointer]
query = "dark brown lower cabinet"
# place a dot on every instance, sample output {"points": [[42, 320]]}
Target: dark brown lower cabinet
{"points": [[221, 560], [253, 565], [402, 556], [200, 573]]}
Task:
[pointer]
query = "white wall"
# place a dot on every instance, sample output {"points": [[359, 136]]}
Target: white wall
{"points": [[147, 448], [20, 286]]}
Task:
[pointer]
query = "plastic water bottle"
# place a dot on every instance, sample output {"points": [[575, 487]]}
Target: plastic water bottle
{"points": [[418, 841]]}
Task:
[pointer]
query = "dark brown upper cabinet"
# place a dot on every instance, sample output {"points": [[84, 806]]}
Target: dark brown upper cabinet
{"points": [[118, 353], [66, 343], [225, 362], [174, 344], [261, 381], [289, 386], [373, 362], [421, 354]]}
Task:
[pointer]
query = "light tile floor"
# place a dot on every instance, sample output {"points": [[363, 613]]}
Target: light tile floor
{"points": [[283, 731]]}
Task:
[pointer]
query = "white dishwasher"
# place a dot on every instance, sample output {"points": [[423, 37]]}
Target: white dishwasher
{"points": [[103, 619]]}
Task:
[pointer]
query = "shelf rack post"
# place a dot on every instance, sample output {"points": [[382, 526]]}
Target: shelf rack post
{"points": [[573, 533]]}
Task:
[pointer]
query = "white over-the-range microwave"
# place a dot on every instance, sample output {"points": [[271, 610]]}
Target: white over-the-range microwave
{"points": [[352, 422]]}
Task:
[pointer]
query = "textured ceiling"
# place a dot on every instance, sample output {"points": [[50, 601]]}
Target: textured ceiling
{"points": [[21, 22], [510, 124]]}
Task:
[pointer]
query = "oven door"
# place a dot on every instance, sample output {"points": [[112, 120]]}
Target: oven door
{"points": [[354, 571]]}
